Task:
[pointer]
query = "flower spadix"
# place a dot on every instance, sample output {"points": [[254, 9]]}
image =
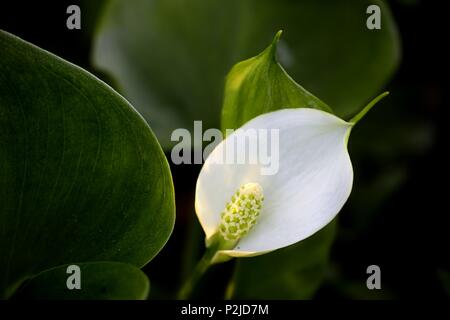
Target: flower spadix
{"points": [[249, 213], [242, 212]]}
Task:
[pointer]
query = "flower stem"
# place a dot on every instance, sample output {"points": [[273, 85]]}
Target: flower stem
{"points": [[367, 108], [214, 244], [199, 270]]}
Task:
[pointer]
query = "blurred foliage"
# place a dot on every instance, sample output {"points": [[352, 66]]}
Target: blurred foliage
{"points": [[173, 66], [295, 272], [444, 276], [99, 281]]}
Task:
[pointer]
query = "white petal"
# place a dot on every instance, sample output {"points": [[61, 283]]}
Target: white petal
{"points": [[313, 182]]}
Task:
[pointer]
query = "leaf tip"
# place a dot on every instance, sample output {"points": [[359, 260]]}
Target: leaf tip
{"points": [[272, 49], [367, 108], [277, 36]]}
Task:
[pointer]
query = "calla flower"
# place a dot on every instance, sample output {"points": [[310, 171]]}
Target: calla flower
{"points": [[246, 213]]}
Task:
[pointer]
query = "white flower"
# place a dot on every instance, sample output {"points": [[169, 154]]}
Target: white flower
{"points": [[312, 184]]}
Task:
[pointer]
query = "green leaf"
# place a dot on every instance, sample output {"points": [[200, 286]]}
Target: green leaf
{"points": [[82, 176], [98, 281], [173, 66], [295, 272], [260, 85]]}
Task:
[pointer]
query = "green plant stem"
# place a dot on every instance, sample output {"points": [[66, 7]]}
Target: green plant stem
{"points": [[199, 270], [214, 244]]}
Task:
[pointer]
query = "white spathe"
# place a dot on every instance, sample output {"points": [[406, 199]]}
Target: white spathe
{"points": [[312, 184]]}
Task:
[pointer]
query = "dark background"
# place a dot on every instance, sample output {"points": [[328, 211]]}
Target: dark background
{"points": [[407, 233]]}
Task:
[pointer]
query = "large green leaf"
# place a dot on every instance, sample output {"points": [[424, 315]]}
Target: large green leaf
{"points": [[170, 57], [259, 85], [98, 281], [295, 272], [82, 177]]}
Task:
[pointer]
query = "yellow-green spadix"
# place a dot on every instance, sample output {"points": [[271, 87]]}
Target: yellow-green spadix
{"points": [[313, 182]]}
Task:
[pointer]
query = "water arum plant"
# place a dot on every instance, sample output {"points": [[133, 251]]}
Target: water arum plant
{"points": [[313, 183], [246, 213]]}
